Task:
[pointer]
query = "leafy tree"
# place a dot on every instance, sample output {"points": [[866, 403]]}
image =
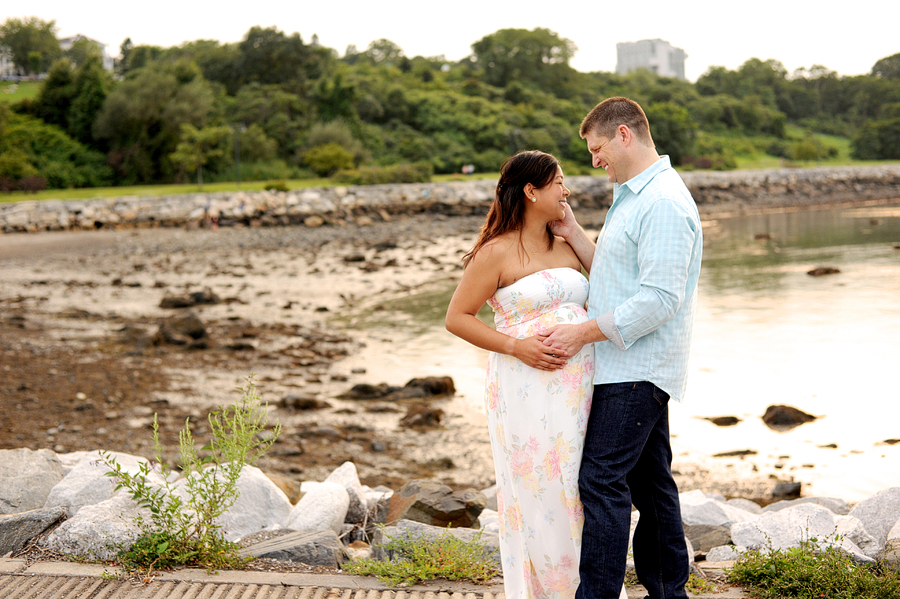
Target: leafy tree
{"points": [[92, 84], [198, 146], [32, 43], [672, 129], [267, 55], [141, 118], [256, 146], [888, 67], [539, 56], [56, 94], [56, 157], [879, 139]]}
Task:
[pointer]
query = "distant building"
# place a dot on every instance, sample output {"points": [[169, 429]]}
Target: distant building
{"points": [[66, 44], [658, 56], [7, 68]]}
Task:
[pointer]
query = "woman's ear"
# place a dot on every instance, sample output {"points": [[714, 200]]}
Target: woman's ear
{"points": [[528, 190]]}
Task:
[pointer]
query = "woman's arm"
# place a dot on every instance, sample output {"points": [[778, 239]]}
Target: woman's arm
{"points": [[478, 284]]}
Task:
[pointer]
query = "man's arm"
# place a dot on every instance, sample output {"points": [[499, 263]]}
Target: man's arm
{"points": [[665, 246]]}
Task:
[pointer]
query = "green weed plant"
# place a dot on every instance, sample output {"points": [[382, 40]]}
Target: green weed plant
{"points": [[809, 572], [419, 559], [182, 530]]}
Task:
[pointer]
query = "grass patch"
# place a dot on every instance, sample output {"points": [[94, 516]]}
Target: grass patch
{"points": [[424, 559], [13, 91], [807, 573]]}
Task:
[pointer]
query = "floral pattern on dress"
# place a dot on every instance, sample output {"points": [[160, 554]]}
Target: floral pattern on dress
{"points": [[537, 420]]}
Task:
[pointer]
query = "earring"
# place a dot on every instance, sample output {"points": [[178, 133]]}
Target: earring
{"points": [[533, 199]]}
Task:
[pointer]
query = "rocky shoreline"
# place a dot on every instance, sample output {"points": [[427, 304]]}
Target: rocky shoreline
{"points": [[313, 207], [68, 505]]}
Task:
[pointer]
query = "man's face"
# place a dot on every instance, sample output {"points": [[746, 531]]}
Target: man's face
{"points": [[603, 153]]}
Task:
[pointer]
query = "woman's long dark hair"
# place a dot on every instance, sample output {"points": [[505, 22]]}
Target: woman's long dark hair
{"points": [[507, 212]]}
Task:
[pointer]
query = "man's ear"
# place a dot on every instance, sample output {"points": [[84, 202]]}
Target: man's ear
{"points": [[624, 134]]}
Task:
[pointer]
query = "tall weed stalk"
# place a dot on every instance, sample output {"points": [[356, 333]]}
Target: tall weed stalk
{"points": [[183, 510]]}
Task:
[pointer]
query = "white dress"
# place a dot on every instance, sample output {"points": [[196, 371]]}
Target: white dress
{"points": [[537, 421]]}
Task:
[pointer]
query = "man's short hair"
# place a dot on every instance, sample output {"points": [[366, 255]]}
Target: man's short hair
{"points": [[606, 117]]}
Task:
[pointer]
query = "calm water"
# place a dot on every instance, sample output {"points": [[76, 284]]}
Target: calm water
{"points": [[766, 333]]}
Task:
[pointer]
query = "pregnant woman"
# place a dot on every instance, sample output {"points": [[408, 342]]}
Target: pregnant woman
{"points": [[537, 401]]}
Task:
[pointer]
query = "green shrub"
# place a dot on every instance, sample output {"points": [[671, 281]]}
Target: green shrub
{"points": [[276, 186], [327, 159], [424, 559], [419, 172], [807, 572], [185, 532]]}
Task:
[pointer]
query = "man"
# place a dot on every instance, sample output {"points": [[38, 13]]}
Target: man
{"points": [[643, 293]]}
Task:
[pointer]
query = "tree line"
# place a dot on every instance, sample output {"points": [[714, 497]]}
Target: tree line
{"points": [[275, 107]]}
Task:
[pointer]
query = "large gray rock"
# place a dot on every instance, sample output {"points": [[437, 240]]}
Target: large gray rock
{"points": [[324, 507], [17, 529], [261, 505], [26, 478], [890, 555], [317, 548], [697, 508], [853, 529], [99, 531], [725, 553], [410, 530], [706, 536], [836, 506], [432, 502], [792, 527], [879, 513], [745, 504], [347, 476], [88, 484]]}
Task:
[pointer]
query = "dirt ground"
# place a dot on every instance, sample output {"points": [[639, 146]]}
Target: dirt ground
{"points": [[89, 352]]}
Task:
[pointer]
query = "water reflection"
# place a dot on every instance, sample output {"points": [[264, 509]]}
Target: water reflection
{"points": [[766, 333]]}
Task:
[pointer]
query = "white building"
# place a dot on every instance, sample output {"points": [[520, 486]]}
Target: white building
{"points": [[656, 55], [66, 44], [7, 68]]}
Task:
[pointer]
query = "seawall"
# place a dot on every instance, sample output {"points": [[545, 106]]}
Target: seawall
{"points": [[732, 191]]}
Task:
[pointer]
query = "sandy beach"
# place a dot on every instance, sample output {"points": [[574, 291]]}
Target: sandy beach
{"points": [[84, 365]]}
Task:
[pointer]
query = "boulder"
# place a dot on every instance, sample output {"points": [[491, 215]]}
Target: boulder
{"points": [[836, 506], [184, 329], [316, 548], [261, 505], [745, 504], [100, 530], [792, 527], [347, 476], [787, 489], [706, 536], [87, 482], [413, 531], [324, 507], [879, 513], [19, 528], [697, 508], [890, 555], [725, 553], [422, 416], [781, 418], [434, 503], [26, 478]]}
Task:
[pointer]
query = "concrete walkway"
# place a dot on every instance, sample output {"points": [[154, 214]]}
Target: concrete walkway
{"points": [[66, 580]]}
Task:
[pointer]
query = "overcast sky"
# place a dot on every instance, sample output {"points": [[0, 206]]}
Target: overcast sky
{"points": [[847, 38]]}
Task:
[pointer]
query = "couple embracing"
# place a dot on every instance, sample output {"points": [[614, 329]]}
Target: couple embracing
{"points": [[577, 400]]}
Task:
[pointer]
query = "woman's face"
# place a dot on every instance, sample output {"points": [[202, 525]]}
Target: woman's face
{"points": [[552, 197]]}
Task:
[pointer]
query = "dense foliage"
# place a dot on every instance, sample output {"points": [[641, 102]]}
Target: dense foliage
{"points": [[273, 106]]}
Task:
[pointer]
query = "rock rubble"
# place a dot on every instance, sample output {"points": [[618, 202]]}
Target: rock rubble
{"points": [[315, 207], [97, 521]]}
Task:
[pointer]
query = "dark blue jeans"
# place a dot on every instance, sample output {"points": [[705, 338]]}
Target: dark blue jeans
{"points": [[628, 460]]}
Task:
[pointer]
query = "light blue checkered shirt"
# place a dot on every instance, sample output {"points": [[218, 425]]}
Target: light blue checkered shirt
{"points": [[644, 281]]}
